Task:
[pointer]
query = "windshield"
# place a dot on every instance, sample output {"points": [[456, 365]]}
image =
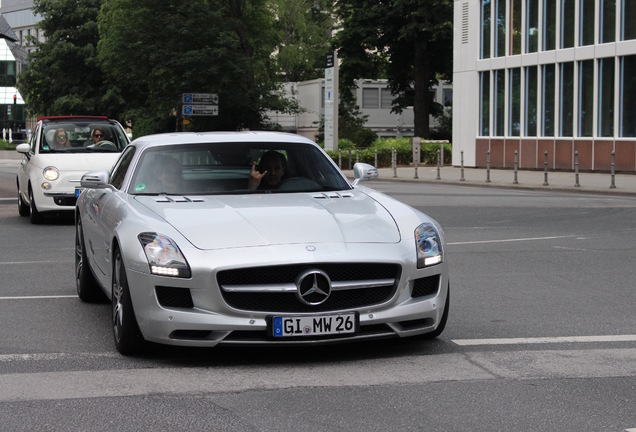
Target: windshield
{"points": [[231, 168], [74, 137]]}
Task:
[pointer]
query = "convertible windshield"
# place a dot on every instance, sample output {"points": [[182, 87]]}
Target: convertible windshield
{"points": [[81, 136], [230, 168]]}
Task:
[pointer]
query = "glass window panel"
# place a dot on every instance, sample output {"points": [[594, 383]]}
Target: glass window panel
{"points": [[514, 104], [500, 34], [532, 25], [485, 29], [549, 24], [447, 95], [628, 19], [607, 21], [566, 105], [531, 101], [586, 98], [515, 27], [586, 24], [484, 102], [370, 98], [387, 98], [606, 97], [499, 102], [547, 98], [627, 94], [567, 23]]}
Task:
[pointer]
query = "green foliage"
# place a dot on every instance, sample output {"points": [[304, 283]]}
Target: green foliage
{"points": [[4, 145]]}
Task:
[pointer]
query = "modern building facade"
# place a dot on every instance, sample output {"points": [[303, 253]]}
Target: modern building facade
{"points": [[22, 19], [545, 80], [12, 58]]}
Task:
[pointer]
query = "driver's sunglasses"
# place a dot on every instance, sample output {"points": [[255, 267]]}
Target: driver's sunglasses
{"points": [[98, 135], [62, 137]]}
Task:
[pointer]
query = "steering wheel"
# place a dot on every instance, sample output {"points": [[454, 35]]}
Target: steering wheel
{"points": [[107, 145], [299, 184]]}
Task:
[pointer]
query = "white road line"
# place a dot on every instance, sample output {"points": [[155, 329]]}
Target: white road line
{"points": [[545, 340], [8, 199], [37, 262], [510, 240], [38, 297]]}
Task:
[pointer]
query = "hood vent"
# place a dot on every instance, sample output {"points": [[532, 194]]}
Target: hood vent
{"points": [[176, 199], [332, 195]]}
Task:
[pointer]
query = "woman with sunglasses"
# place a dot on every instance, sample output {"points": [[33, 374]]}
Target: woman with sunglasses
{"points": [[61, 140]]}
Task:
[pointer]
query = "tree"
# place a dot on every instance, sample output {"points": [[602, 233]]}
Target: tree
{"points": [[409, 42], [64, 76], [154, 51]]}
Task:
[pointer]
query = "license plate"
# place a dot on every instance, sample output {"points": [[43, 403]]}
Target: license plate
{"points": [[315, 325], [78, 191]]}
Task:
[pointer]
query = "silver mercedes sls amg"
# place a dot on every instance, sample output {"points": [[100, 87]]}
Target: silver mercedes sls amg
{"points": [[199, 239]]}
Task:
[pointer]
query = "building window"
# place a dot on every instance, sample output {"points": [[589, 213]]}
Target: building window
{"points": [[532, 25], [547, 99], [607, 21], [606, 97], [500, 34], [514, 102], [567, 23], [531, 101], [485, 29], [484, 103], [499, 102], [549, 24], [370, 98], [515, 27], [627, 113], [7, 74], [447, 96], [386, 101], [586, 98], [628, 29], [586, 22], [566, 99]]}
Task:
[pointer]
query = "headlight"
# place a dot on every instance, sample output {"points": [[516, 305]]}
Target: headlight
{"points": [[428, 245], [51, 173], [164, 256]]}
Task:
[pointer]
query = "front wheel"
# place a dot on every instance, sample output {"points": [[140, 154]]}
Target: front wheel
{"points": [[23, 208], [88, 289], [36, 217], [128, 338]]}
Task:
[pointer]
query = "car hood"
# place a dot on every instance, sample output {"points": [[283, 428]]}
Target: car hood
{"points": [[229, 221], [80, 162]]}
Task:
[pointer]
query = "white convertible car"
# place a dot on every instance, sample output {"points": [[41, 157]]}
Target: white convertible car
{"points": [[60, 151], [245, 238]]}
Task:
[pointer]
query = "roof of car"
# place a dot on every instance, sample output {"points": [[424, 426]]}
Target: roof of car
{"points": [[220, 137], [73, 118]]}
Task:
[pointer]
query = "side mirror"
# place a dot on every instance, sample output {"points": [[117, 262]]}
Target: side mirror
{"points": [[23, 148], [364, 172], [95, 180]]}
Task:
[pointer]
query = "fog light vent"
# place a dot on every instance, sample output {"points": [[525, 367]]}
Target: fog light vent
{"points": [[172, 297]]}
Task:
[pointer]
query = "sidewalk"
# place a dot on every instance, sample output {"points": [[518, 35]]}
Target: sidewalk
{"points": [[625, 184]]}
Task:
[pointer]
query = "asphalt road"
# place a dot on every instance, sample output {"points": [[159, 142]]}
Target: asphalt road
{"points": [[541, 336]]}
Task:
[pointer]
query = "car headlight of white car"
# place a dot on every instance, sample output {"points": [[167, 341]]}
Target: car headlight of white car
{"points": [[51, 173], [164, 256], [428, 245]]}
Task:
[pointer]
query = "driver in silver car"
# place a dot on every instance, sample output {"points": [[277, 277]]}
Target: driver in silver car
{"points": [[270, 172]]}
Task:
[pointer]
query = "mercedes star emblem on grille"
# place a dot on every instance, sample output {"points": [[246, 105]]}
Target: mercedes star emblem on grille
{"points": [[314, 287]]}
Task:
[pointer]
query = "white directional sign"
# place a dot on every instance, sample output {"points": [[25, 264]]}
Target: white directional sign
{"points": [[200, 110], [200, 98]]}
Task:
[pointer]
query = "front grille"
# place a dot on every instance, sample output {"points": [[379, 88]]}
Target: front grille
{"points": [[174, 297], [288, 301], [65, 201], [424, 287]]}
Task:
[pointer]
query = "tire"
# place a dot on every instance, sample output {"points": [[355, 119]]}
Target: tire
{"points": [[36, 217], [23, 208], [88, 289], [442, 322], [128, 338]]}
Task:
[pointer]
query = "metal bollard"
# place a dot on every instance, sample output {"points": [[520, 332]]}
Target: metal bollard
{"points": [[613, 184], [438, 164], [349, 158], [357, 159], [516, 166], [462, 166], [545, 170], [340, 159], [376, 158], [488, 167], [416, 159], [394, 162], [576, 169]]}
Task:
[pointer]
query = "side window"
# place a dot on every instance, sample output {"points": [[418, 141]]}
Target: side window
{"points": [[121, 166]]}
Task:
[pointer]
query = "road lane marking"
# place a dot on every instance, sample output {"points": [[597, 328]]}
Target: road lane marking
{"points": [[38, 262], [544, 340], [510, 240], [38, 297]]}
